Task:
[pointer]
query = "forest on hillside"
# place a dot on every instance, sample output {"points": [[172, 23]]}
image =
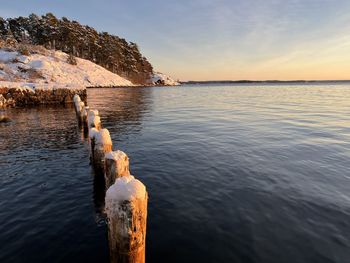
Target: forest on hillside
{"points": [[109, 51]]}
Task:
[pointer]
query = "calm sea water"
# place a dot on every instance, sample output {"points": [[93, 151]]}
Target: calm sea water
{"points": [[234, 174]]}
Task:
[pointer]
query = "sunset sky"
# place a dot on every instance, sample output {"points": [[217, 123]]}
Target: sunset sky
{"points": [[223, 39]]}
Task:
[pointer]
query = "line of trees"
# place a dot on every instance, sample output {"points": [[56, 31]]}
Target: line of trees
{"points": [[106, 50]]}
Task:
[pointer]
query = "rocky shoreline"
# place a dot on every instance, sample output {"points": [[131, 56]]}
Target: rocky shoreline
{"points": [[18, 97]]}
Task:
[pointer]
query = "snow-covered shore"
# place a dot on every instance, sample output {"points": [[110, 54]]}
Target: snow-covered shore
{"points": [[52, 71], [24, 96], [46, 76], [164, 80]]}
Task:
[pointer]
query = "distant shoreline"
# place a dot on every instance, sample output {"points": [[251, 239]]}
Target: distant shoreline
{"points": [[266, 82]]}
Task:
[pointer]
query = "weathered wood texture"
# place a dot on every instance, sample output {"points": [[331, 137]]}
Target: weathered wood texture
{"points": [[102, 145], [127, 221], [116, 165]]}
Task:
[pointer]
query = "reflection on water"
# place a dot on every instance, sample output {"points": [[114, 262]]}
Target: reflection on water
{"points": [[122, 106], [125, 107], [99, 194], [46, 203], [234, 174]]}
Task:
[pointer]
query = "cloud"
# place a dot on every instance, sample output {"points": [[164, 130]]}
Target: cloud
{"points": [[226, 39]]}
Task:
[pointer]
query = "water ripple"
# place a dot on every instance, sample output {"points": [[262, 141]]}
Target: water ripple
{"points": [[234, 174]]}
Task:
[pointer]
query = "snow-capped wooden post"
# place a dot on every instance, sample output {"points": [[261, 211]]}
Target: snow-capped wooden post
{"points": [[76, 100], [102, 145], [116, 165], [80, 111], [92, 133], [85, 114], [126, 209], [94, 120], [79, 106]]}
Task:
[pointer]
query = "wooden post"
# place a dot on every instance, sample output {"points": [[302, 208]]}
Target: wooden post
{"points": [[116, 165], [94, 119], [92, 133], [76, 98], [77, 101], [80, 111], [126, 208], [103, 145], [93, 113], [85, 114], [79, 107]]}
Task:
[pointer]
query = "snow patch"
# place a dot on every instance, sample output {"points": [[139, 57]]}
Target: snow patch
{"points": [[38, 64], [76, 98], [53, 71], [121, 167], [85, 111], [116, 155], [29, 86], [93, 118], [23, 59], [103, 137], [94, 112], [92, 133], [94, 121], [162, 79], [17, 85], [7, 56], [125, 188], [81, 106]]}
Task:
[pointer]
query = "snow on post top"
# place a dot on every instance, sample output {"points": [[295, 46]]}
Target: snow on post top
{"points": [[116, 155], [125, 188], [93, 119], [103, 137], [92, 133], [92, 113], [81, 105], [76, 98], [121, 160], [85, 111]]}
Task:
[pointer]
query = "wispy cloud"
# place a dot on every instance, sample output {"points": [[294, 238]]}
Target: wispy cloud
{"points": [[222, 39]]}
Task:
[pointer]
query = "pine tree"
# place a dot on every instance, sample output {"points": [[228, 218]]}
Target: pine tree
{"points": [[109, 51], [3, 27]]}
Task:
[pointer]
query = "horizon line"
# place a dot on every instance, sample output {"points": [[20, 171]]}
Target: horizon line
{"points": [[246, 80]]}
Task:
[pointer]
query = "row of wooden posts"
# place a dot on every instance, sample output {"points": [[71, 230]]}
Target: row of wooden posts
{"points": [[126, 197]]}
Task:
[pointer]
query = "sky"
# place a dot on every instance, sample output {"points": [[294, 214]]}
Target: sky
{"points": [[220, 39]]}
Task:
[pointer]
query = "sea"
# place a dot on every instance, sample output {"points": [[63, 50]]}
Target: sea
{"points": [[234, 173]]}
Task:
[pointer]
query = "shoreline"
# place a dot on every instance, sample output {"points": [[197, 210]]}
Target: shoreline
{"points": [[31, 95], [22, 97], [263, 82]]}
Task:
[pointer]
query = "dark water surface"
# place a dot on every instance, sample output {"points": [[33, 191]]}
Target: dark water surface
{"points": [[234, 174]]}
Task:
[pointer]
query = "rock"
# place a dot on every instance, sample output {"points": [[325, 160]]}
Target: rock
{"points": [[10, 97], [4, 119], [2, 101]]}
